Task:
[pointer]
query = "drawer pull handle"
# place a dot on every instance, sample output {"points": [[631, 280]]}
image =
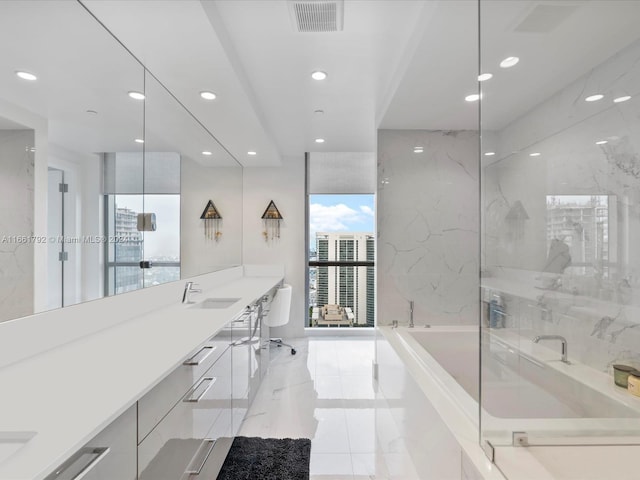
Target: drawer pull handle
{"points": [[194, 360], [206, 447], [191, 396], [95, 455]]}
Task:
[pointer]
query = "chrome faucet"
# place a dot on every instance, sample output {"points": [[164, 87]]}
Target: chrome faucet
{"points": [[410, 313], [188, 288], [555, 337]]}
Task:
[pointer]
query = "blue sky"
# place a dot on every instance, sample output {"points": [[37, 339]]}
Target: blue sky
{"points": [[340, 213]]}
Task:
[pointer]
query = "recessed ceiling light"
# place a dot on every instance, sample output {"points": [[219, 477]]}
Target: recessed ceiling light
{"points": [[509, 62], [485, 76], [319, 140], [489, 154], [534, 154], [136, 95], [319, 112], [208, 95], [318, 75], [26, 75], [139, 140], [207, 153], [252, 153], [602, 142], [472, 98], [594, 98], [621, 99], [418, 149]]}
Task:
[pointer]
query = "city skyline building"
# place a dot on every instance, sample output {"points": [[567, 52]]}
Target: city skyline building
{"points": [[352, 288]]}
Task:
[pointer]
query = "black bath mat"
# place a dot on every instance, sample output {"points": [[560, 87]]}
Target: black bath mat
{"points": [[252, 458]]}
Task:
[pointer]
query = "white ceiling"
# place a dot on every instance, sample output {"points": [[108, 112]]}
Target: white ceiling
{"points": [[397, 64], [360, 62]]}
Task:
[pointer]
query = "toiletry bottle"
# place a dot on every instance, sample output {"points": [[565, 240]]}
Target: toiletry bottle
{"points": [[496, 312]]}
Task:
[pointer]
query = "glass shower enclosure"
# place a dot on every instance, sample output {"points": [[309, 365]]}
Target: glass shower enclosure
{"points": [[560, 222]]}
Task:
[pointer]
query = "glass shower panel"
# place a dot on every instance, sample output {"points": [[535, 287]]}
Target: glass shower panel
{"points": [[560, 224]]}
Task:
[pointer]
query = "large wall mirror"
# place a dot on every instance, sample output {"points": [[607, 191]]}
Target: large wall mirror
{"points": [[104, 174]]}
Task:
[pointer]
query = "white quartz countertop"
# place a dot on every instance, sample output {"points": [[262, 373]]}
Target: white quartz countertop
{"points": [[70, 393]]}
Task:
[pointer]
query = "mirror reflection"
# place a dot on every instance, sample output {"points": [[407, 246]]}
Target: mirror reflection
{"points": [[92, 153], [560, 197]]}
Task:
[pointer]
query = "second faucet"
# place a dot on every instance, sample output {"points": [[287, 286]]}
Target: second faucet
{"points": [[563, 341]]}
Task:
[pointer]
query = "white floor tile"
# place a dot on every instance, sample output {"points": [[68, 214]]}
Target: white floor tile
{"points": [[325, 393], [332, 435], [331, 464], [361, 425], [358, 386], [328, 387]]}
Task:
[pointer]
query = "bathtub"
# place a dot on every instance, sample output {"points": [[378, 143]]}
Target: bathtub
{"points": [[525, 386]]}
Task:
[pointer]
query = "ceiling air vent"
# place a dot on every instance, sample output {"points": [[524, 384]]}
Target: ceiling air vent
{"points": [[316, 15]]}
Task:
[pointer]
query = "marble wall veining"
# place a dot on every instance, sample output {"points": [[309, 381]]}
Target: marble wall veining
{"points": [[595, 304], [16, 223], [428, 227]]}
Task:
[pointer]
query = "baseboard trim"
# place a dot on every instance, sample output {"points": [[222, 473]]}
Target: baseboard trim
{"points": [[339, 331]]}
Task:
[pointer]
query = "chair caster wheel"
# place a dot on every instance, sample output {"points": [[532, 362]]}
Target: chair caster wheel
{"points": [[293, 351]]}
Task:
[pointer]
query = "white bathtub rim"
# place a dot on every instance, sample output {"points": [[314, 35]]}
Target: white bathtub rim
{"points": [[578, 427], [455, 416]]}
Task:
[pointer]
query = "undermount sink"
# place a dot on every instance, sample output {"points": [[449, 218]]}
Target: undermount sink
{"points": [[216, 303], [11, 442]]}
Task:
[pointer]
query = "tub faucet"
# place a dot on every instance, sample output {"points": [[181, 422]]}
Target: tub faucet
{"points": [[563, 341], [410, 313], [188, 288]]}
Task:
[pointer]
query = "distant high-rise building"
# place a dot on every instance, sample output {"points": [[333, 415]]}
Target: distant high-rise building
{"points": [[351, 287], [128, 248]]}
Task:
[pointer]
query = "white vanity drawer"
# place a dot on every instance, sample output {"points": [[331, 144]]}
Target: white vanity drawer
{"points": [[157, 403], [109, 455], [183, 439]]}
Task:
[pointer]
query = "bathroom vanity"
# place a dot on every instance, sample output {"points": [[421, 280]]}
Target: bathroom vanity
{"points": [[157, 396]]}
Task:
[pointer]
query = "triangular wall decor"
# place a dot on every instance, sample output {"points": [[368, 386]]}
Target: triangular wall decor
{"points": [[272, 212], [212, 221], [210, 212]]}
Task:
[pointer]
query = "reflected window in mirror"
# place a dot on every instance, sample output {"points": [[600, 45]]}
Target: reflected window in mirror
{"points": [[128, 246], [579, 225]]}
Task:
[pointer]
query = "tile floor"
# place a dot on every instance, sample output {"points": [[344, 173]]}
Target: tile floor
{"points": [[325, 392]]}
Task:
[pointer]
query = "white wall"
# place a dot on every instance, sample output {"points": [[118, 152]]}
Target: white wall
{"points": [[83, 217], [428, 227], [16, 220], [285, 186], [222, 185]]}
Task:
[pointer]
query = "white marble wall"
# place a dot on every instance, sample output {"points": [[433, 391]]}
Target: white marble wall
{"points": [[596, 311], [16, 220], [428, 227]]}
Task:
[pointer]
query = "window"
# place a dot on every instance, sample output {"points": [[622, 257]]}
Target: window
{"points": [[135, 183], [129, 246], [341, 239], [579, 224], [341, 260]]}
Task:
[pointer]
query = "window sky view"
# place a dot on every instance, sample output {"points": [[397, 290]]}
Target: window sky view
{"points": [[340, 213]]}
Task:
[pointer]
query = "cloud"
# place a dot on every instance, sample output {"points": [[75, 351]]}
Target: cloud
{"points": [[332, 218], [367, 210]]}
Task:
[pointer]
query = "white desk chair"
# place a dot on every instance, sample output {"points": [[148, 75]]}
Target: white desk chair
{"points": [[279, 313]]}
